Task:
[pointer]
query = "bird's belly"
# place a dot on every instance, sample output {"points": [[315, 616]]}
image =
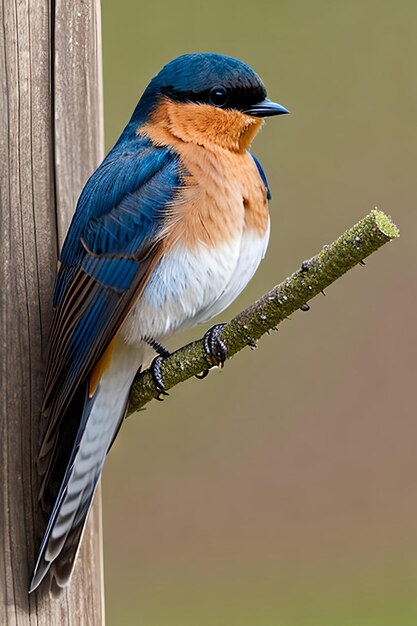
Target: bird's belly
{"points": [[252, 250], [181, 288], [188, 288]]}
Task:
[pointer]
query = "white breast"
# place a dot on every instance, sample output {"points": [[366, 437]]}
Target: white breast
{"points": [[187, 288], [252, 251]]}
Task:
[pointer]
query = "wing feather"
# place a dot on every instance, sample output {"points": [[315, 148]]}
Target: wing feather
{"points": [[111, 248]]}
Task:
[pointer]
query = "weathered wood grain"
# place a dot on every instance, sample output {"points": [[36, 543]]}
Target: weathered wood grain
{"points": [[50, 141], [78, 97]]}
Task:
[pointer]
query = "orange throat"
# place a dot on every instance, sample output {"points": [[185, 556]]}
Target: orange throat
{"points": [[201, 124]]}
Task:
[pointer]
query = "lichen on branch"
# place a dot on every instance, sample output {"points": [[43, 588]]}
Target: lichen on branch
{"points": [[315, 275]]}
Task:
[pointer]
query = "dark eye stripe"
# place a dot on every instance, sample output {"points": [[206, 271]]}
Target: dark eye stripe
{"points": [[238, 97]]}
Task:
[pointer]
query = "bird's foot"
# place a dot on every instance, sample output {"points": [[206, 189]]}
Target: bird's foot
{"points": [[155, 367], [215, 347], [157, 377]]}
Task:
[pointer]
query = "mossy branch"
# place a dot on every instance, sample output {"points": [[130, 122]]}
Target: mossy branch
{"points": [[334, 260]]}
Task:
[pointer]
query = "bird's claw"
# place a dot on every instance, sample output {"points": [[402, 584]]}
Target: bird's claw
{"points": [[214, 345], [157, 377], [215, 348]]}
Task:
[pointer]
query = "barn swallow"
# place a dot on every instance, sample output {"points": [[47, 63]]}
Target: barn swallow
{"points": [[167, 232]]}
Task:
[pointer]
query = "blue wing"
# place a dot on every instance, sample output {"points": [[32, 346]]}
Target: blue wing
{"points": [[118, 206], [113, 244], [110, 249]]}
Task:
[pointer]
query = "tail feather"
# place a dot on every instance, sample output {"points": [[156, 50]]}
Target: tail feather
{"points": [[100, 420], [75, 497], [62, 569]]}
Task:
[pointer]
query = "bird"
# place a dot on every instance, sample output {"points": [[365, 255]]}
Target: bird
{"points": [[167, 232]]}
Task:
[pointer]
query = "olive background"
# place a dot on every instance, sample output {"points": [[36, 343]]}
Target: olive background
{"points": [[281, 491]]}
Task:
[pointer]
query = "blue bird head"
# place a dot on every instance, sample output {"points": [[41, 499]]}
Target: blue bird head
{"points": [[208, 78]]}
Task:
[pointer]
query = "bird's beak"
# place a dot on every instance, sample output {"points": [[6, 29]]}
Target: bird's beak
{"points": [[266, 108]]}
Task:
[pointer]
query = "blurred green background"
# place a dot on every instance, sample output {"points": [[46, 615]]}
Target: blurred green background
{"points": [[281, 491]]}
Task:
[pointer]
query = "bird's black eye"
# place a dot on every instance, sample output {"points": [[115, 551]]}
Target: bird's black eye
{"points": [[218, 96]]}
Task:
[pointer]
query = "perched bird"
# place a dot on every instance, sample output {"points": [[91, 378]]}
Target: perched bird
{"points": [[167, 232]]}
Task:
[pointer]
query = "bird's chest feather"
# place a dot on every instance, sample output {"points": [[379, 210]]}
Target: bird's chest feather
{"points": [[215, 235], [223, 195]]}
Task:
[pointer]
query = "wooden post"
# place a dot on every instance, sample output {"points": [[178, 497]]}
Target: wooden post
{"points": [[51, 139]]}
